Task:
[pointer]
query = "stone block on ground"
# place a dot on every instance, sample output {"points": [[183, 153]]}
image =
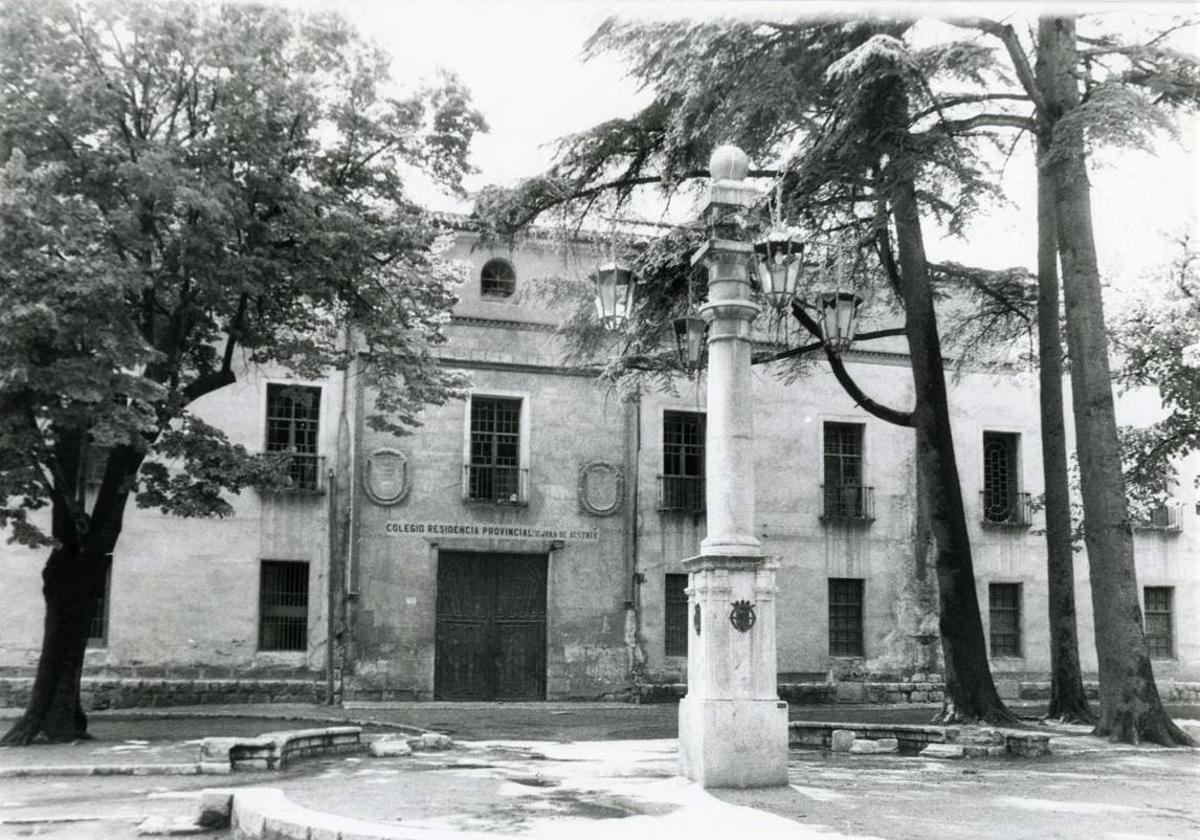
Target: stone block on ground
{"points": [[942, 751], [887, 745], [216, 808], [390, 748], [862, 746], [160, 826], [842, 740], [432, 741]]}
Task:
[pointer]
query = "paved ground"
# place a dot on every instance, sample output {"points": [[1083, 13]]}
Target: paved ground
{"points": [[555, 770]]}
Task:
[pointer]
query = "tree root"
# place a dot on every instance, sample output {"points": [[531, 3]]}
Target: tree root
{"points": [[21, 734]]}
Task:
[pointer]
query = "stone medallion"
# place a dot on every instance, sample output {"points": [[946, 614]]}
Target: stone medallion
{"points": [[385, 477], [601, 487]]}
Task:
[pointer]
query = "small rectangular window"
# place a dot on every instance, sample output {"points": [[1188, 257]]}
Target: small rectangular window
{"points": [[676, 611], [293, 417], [845, 617], [1004, 606], [283, 605], [1160, 636], [98, 630], [845, 497], [494, 471], [682, 481]]}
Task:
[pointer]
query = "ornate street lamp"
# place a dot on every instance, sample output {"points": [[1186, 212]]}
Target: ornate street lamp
{"points": [[615, 283], [779, 261], [689, 341], [838, 315]]}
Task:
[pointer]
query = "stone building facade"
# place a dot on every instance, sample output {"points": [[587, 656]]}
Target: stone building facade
{"points": [[525, 543]]}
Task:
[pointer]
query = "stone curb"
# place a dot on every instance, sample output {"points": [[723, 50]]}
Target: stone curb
{"points": [[37, 770], [268, 814]]}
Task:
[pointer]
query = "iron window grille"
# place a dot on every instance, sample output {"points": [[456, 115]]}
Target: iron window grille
{"points": [[845, 617], [1002, 501], [681, 485], [98, 629], [293, 418], [1160, 636], [497, 279], [283, 605], [494, 472], [675, 631], [843, 496], [1167, 517], [847, 503], [1004, 626]]}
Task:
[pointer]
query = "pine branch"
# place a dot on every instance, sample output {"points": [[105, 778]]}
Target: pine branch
{"points": [[1007, 36]]}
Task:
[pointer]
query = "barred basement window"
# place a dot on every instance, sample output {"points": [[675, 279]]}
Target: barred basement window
{"points": [[1000, 484], [494, 473], [1004, 605], [498, 279], [98, 630], [283, 605], [1160, 636], [676, 610], [682, 484], [845, 617], [293, 415]]}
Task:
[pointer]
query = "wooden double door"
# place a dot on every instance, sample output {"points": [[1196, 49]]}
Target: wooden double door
{"points": [[491, 627]]}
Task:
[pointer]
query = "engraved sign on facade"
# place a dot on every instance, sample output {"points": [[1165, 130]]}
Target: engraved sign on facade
{"points": [[601, 486], [397, 528], [385, 476]]}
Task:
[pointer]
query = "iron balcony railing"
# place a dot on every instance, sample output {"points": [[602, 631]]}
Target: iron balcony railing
{"points": [[1014, 510], [847, 503], [681, 493], [1167, 517], [305, 471], [498, 484]]}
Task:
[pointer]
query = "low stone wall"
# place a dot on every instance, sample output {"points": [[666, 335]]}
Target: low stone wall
{"points": [[802, 733], [275, 750], [108, 692], [1170, 691]]}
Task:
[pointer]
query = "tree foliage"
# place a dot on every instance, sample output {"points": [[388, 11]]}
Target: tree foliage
{"points": [[188, 189]]}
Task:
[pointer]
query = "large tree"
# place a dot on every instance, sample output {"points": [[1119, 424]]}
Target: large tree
{"points": [[185, 188], [845, 114]]}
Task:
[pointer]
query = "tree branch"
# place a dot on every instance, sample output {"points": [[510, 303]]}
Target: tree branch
{"points": [[967, 99], [1007, 36], [981, 121]]}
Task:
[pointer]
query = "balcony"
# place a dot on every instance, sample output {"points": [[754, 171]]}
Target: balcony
{"points": [[850, 503], [501, 485], [305, 473], [1167, 518], [681, 493], [1006, 510]]}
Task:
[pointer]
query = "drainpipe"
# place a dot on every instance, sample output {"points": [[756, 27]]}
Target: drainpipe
{"points": [[632, 421]]}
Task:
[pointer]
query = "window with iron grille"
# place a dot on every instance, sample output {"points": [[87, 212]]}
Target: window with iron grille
{"points": [[497, 279], [1160, 637], [683, 461], [1000, 482], [293, 414], [676, 611], [845, 617], [1004, 627], [494, 471], [98, 630], [283, 605], [844, 495]]}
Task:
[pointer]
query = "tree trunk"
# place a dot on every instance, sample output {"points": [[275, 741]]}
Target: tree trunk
{"points": [[71, 585], [1068, 702], [1130, 708], [970, 692]]}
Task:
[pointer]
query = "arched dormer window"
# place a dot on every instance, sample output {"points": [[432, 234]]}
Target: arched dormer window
{"points": [[497, 280]]}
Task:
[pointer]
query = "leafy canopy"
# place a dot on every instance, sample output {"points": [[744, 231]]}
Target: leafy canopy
{"points": [[187, 186]]}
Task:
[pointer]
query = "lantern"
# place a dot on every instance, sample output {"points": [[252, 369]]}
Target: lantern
{"points": [[838, 313], [614, 294], [689, 341], [779, 261]]}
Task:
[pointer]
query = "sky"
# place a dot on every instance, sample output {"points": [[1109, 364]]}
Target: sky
{"points": [[522, 61]]}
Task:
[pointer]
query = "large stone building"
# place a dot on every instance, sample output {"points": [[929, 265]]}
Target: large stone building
{"points": [[526, 542]]}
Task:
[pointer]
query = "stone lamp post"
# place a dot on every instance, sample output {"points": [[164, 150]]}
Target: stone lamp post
{"points": [[732, 724]]}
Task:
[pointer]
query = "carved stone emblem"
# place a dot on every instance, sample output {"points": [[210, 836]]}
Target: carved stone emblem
{"points": [[601, 488], [742, 616], [696, 619], [385, 476]]}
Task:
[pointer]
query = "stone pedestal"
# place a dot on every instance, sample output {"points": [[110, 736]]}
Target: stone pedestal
{"points": [[732, 724]]}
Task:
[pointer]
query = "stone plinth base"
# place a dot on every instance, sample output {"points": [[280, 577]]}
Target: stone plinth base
{"points": [[734, 743]]}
